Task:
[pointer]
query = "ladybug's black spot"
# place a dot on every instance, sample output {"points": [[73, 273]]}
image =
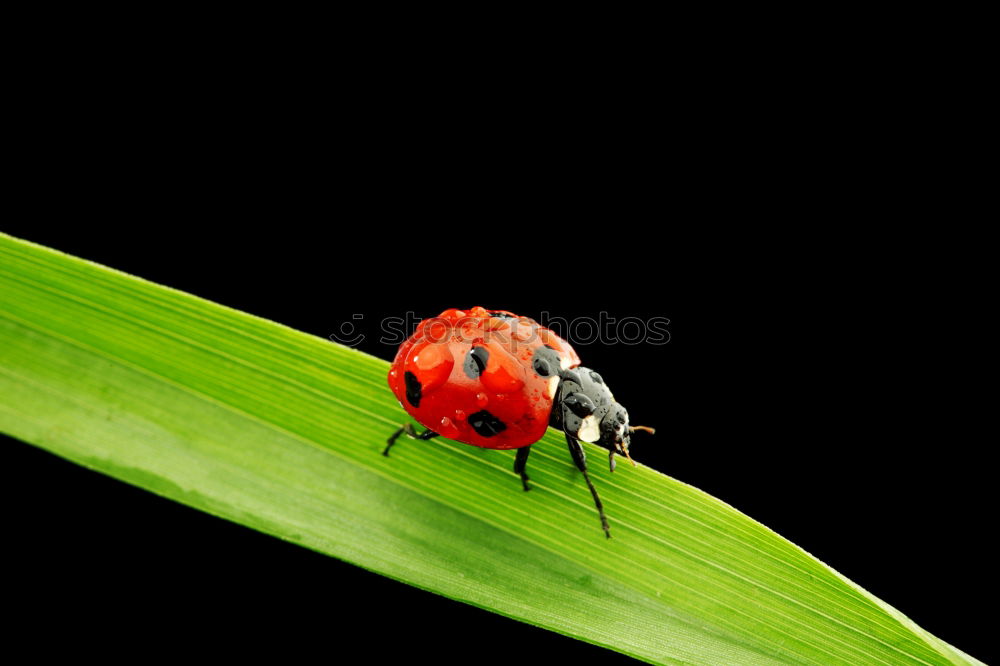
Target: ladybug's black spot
{"points": [[579, 404], [573, 376], [475, 362], [546, 361], [413, 388], [486, 424]]}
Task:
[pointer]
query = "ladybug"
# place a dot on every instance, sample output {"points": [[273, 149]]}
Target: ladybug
{"points": [[493, 379]]}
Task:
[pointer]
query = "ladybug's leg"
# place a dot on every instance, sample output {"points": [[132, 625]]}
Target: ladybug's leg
{"points": [[408, 429], [410, 432], [580, 458], [519, 463]]}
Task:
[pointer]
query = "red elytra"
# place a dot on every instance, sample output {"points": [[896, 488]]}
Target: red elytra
{"points": [[493, 398]]}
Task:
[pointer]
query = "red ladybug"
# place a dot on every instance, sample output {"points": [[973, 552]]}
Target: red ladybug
{"points": [[493, 379]]}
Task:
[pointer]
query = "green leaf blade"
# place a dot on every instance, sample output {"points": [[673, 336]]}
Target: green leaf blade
{"points": [[281, 431]]}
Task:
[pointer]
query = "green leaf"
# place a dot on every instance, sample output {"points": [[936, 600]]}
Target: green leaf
{"points": [[281, 431]]}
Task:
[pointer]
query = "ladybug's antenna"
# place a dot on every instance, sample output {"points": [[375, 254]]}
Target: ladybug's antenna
{"points": [[631, 429]]}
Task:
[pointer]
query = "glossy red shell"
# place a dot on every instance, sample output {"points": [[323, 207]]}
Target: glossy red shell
{"points": [[507, 388]]}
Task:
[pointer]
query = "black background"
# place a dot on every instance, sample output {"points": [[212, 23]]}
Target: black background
{"points": [[786, 202], [802, 209], [809, 389]]}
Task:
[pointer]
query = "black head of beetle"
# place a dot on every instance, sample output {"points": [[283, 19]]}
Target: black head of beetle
{"points": [[584, 408]]}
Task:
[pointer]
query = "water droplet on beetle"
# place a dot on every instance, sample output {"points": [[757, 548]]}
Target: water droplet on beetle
{"points": [[431, 363], [482, 399]]}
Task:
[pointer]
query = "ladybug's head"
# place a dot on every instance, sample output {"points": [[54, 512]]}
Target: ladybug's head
{"points": [[616, 433], [587, 411]]}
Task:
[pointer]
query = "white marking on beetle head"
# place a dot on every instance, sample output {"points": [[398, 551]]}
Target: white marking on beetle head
{"points": [[590, 429], [553, 386]]}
